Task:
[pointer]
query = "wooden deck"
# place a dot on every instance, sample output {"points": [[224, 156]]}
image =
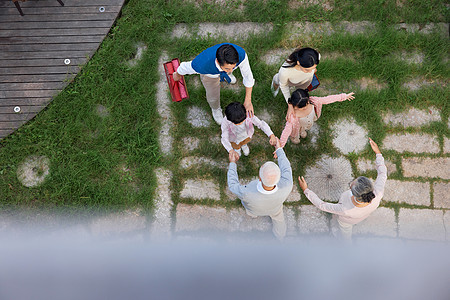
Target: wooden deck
{"points": [[33, 50]]}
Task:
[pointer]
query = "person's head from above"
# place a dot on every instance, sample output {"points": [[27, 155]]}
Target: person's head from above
{"points": [[299, 99], [227, 57], [305, 59], [362, 189], [269, 174], [236, 113]]}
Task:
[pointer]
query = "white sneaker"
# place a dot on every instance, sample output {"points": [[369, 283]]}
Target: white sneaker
{"points": [[274, 91], [246, 150], [217, 115], [238, 152], [233, 79]]}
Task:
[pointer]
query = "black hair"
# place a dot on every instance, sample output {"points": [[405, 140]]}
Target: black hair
{"points": [[307, 57], [299, 98], [227, 54], [367, 197], [235, 112]]}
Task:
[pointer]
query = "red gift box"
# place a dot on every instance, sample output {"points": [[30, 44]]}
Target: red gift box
{"points": [[178, 89]]}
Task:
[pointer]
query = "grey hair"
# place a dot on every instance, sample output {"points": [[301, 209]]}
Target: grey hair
{"points": [[362, 189], [269, 173]]}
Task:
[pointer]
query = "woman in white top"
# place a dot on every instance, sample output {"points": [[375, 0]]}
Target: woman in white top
{"points": [[355, 204], [296, 72]]}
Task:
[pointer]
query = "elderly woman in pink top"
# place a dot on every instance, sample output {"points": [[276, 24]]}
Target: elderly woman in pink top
{"points": [[306, 111], [355, 204]]}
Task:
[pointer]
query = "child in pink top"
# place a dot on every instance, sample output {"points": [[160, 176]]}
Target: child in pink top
{"points": [[306, 111]]}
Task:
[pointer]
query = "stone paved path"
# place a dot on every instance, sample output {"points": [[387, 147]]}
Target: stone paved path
{"points": [[416, 207]]}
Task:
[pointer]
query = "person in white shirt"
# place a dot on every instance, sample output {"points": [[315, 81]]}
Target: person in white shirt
{"points": [[297, 73], [355, 204], [216, 64]]}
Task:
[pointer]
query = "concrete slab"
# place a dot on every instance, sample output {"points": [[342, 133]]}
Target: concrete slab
{"points": [[426, 167], [201, 218], [162, 221], [229, 31], [200, 189], [412, 117], [349, 136], [312, 220], [412, 142], [441, 195], [124, 222], [365, 165], [410, 192]]}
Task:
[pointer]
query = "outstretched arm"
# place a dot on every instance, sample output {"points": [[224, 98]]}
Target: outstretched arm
{"points": [[333, 98], [324, 206]]}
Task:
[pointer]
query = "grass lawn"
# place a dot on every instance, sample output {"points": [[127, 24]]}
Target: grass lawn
{"points": [[107, 163]]}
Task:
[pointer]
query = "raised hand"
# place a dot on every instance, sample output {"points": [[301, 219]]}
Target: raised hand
{"points": [[302, 183], [374, 146]]}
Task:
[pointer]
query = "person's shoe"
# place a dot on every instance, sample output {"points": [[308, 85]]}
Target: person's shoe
{"points": [[217, 115], [303, 134], [246, 150], [233, 79], [273, 89], [238, 152], [295, 140]]}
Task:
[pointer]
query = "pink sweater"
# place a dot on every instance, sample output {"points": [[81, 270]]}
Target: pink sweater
{"points": [[293, 124]]}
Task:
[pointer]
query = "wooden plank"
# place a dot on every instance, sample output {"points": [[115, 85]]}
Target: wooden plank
{"points": [[12, 118], [44, 54], [16, 86], [25, 62], [59, 17], [59, 10], [63, 24], [5, 132], [47, 47], [37, 78], [18, 40], [24, 109], [26, 101], [55, 32], [67, 3], [28, 94], [39, 70]]}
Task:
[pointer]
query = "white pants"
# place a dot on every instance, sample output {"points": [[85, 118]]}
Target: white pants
{"points": [[279, 226]]}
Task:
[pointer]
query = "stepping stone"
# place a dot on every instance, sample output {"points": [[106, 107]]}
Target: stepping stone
{"points": [[124, 222], [101, 111], [235, 88], [198, 117], [276, 56], [417, 83], [411, 57], [191, 143], [349, 136], [413, 117], [367, 83], [412, 142], [380, 223], [163, 101], [426, 167], [446, 145], [266, 116], [295, 194], [296, 4], [201, 217], [227, 31], [424, 29], [329, 177], [365, 165], [199, 161], [441, 195], [424, 224], [162, 220], [306, 30], [291, 220], [140, 50], [312, 220], [200, 189], [33, 170], [240, 221], [410, 192]]}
